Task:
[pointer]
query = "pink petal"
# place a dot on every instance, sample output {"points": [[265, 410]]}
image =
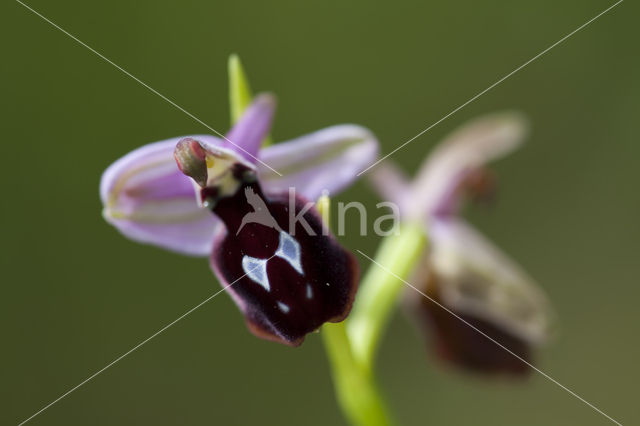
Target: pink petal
{"points": [[328, 159], [464, 151], [247, 134], [149, 200]]}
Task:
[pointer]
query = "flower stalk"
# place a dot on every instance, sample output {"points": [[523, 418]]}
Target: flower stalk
{"points": [[355, 387], [379, 289]]}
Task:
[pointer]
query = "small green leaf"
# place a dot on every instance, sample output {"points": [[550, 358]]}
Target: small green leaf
{"points": [[239, 91]]}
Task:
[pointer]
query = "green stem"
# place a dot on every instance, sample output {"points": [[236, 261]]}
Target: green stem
{"points": [[380, 289], [355, 387]]}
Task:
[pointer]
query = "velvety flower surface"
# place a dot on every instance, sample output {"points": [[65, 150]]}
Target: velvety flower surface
{"points": [[463, 271], [230, 200]]}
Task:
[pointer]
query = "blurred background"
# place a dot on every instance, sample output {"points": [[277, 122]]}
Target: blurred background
{"points": [[76, 294]]}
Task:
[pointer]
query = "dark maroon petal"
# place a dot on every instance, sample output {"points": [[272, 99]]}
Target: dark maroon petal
{"points": [[460, 345], [286, 285]]}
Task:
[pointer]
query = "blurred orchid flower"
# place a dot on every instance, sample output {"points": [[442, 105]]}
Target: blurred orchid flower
{"points": [[286, 283], [462, 270]]}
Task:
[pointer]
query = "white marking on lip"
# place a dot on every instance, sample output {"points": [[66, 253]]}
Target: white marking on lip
{"points": [[289, 250], [256, 269], [284, 308], [309, 291]]}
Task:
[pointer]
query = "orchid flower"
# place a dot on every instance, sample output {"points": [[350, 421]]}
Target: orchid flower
{"points": [[248, 209], [462, 270]]}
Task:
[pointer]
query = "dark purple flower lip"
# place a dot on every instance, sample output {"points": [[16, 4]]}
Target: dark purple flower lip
{"points": [[460, 345], [286, 283]]}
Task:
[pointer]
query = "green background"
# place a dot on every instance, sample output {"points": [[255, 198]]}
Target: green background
{"points": [[76, 295]]}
